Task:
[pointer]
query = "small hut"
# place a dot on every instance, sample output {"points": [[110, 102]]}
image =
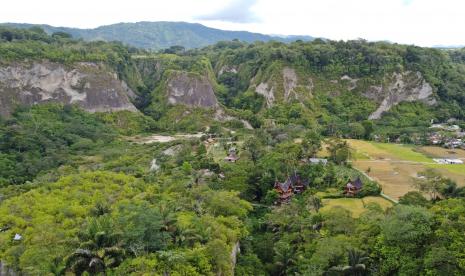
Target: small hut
{"points": [[353, 187], [232, 156]]}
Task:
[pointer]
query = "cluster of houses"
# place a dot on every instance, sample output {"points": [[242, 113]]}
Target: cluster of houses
{"points": [[448, 136], [439, 139], [294, 185], [287, 189]]}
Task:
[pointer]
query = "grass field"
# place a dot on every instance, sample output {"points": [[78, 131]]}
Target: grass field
{"points": [[394, 165], [403, 152], [355, 205], [438, 152]]}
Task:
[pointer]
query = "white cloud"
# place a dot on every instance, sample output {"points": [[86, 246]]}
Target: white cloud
{"points": [[238, 11], [425, 22]]}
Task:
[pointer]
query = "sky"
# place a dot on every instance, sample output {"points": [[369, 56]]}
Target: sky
{"points": [[419, 22]]}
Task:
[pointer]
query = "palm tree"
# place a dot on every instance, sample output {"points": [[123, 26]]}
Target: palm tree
{"points": [[284, 257], [83, 260], [356, 267], [186, 237], [99, 251], [57, 267]]}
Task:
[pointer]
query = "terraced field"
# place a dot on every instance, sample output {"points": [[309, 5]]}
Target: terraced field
{"points": [[394, 165]]}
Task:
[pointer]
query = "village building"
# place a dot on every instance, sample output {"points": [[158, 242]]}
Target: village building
{"points": [[232, 156], [453, 143], [17, 237], [287, 189], [435, 138], [353, 187], [445, 127], [448, 161], [318, 161]]}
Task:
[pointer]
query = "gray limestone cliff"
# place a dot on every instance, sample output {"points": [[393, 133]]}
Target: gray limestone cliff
{"points": [[286, 86], [191, 90], [90, 85], [400, 87]]}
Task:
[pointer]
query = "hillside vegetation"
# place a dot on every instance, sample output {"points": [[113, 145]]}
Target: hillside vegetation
{"points": [[337, 86], [235, 190]]}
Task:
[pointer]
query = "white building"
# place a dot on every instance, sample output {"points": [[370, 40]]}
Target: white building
{"points": [[446, 161]]}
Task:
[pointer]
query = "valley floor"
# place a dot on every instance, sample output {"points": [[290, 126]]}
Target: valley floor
{"points": [[395, 165]]}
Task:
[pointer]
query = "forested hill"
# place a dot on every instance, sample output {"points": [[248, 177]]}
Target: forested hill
{"points": [[351, 89], [159, 35]]}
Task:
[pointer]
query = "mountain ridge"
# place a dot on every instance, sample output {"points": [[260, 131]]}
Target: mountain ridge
{"points": [[161, 34]]}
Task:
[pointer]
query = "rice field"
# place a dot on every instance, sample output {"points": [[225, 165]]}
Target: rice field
{"points": [[355, 205], [438, 152], [394, 165]]}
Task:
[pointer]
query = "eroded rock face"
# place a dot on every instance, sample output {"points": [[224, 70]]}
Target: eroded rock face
{"points": [[227, 69], [191, 90], [266, 92], [89, 85], [221, 116], [289, 83], [352, 82], [400, 87], [292, 87]]}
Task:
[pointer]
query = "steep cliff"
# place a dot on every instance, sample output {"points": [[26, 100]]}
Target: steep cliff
{"points": [[191, 90], [400, 87], [92, 86], [284, 85]]}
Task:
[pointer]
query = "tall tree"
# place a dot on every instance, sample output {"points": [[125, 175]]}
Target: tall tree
{"points": [[431, 182], [355, 266]]}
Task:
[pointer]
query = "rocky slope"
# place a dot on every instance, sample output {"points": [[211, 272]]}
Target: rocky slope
{"points": [[285, 85], [90, 85], [400, 87], [191, 90]]}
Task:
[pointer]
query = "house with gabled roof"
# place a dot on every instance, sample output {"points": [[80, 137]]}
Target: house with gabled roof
{"points": [[232, 156], [353, 187], [294, 184]]}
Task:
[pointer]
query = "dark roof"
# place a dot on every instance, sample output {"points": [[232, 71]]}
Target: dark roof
{"points": [[357, 183], [290, 182], [296, 178], [285, 186]]}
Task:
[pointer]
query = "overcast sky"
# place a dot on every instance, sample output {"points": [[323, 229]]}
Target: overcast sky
{"points": [[420, 22]]}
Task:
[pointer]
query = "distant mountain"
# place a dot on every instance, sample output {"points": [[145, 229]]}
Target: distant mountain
{"points": [[159, 35], [449, 47]]}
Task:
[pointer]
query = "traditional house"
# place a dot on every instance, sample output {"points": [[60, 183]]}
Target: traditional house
{"points": [[232, 156], [293, 185], [353, 187], [284, 190]]}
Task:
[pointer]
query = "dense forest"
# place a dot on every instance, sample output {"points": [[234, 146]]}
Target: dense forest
{"points": [[79, 194]]}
